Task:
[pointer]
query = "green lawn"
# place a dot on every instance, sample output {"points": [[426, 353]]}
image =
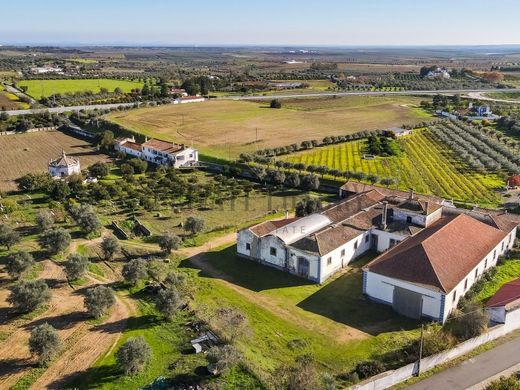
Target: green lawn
{"points": [[506, 272], [40, 88], [332, 321], [426, 165]]}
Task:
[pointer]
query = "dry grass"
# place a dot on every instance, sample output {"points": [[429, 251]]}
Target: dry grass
{"points": [[227, 128], [25, 153]]}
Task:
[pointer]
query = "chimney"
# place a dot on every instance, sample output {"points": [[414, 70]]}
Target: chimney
{"points": [[384, 216], [411, 194], [286, 214]]}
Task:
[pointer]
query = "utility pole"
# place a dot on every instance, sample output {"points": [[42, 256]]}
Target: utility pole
{"points": [[421, 344]]}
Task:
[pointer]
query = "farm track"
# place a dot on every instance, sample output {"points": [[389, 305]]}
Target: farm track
{"points": [[83, 342]]}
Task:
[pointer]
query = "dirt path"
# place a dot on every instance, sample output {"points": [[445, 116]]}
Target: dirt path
{"points": [[339, 332], [83, 342]]}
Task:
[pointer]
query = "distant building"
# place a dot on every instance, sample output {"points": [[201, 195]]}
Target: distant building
{"points": [[178, 91], [189, 99], [158, 152], [46, 69], [438, 73], [400, 132], [64, 166], [286, 85], [513, 181]]}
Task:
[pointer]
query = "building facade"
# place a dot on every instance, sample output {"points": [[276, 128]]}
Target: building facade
{"points": [[64, 166]]}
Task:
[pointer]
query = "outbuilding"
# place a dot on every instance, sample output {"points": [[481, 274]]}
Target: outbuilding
{"points": [[505, 303]]}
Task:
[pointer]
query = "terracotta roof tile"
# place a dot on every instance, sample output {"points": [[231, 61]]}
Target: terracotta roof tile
{"points": [[162, 146], [440, 256], [267, 227], [507, 295]]}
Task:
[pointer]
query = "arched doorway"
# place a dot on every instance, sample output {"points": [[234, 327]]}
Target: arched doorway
{"points": [[303, 267]]}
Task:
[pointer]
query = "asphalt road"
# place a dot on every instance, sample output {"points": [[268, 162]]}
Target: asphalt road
{"points": [[269, 97], [475, 370]]}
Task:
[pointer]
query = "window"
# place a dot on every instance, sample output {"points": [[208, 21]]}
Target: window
{"points": [[342, 252], [466, 284], [408, 219], [355, 245], [248, 246], [367, 238], [476, 273], [454, 296], [503, 243], [272, 251], [494, 254], [485, 264], [329, 261]]}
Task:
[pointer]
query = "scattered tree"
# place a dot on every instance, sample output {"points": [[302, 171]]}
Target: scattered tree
{"points": [[26, 296], [98, 300], [194, 225], [133, 355], [169, 241], [222, 358], [99, 170], [18, 263], [135, 270], [44, 220], [168, 302], [275, 103], [8, 237], [110, 246], [55, 240], [44, 342], [76, 266]]}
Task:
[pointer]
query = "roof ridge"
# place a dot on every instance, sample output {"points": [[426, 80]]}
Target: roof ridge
{"points": [[432, 265]]}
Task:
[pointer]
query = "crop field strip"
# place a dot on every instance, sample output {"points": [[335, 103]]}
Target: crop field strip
{"points": [[428, 166]]}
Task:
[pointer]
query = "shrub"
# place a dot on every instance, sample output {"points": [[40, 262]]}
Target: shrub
{"points": [[511, 383], [469, 323], [98, 300], [133, 355], [26, 296], [222, 358], [369, 368], [18, 263], [44, 342], [76, 266], [168, 242], [275, 103]]}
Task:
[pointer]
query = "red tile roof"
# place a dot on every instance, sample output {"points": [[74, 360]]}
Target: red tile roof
{"points": [[508, 295], [132, 145], [513, 181], [163, 146], [441, 256], [267, 227]]}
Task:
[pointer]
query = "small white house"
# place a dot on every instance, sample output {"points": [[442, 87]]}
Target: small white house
{"points": [[189, 99], [64, 166], [428, 273]]}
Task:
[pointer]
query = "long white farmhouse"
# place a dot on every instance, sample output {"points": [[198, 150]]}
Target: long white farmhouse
{"points": [[158, 152], [431, 253]]}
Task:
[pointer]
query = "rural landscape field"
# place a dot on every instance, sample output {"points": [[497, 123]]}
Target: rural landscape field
{"points": [[225, 129], [260, 195]]}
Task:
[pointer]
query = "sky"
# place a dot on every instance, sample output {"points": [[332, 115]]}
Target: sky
{"points": [[261, 22]]}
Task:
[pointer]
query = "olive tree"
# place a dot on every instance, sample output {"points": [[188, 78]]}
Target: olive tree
{"points": [[44, 342], [135, 270], [222, 358], [194, 225], [98, 300], [55, 240], [168, 302], [8, 237], [76, 266], [18, 263], [44, 220], [110, 246], [133, 355], [169, 242], [86, 218], [26, 296]]}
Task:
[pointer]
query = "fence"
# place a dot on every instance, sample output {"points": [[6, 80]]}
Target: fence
{"points": [[391, 378], [35, 130]]}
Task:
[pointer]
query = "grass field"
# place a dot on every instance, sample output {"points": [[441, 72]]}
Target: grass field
{"points": [[504, 95], [10, 101], [227, 128], [426, 165], [40, 88], [333, 321], [25, 153]]}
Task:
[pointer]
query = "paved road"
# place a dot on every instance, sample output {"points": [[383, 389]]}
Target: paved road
{"points": [[368, 93], [475, 370], [60, 110], [269, 97]]}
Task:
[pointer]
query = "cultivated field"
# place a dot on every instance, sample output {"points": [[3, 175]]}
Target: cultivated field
{"points": [[39, 88], [9, 101], [227, 128], [26, 153], [426, 165]]}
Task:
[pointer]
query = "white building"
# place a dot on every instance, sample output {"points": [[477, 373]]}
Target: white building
{"points": [[505, 303], [64, 166], [317, 246], [159, 152], [427, 274], [189, 99], [438, 73]]}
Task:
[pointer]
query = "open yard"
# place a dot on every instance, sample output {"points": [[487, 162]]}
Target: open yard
{"points": [[25, 153], [290, 316], [40, 88], [227, 128], [426, 165]]}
